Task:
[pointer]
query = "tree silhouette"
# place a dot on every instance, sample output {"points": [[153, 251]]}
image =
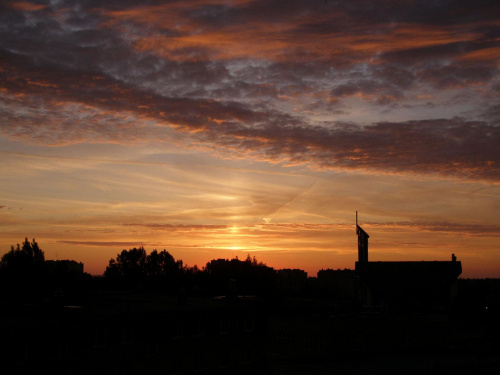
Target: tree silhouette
{"points": [[159, 271], [26, 259], [129, 266], [22, 271], [161, 267], [244, 277], [133, 268]]}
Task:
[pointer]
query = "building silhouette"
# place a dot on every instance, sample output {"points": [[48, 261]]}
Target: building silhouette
{"points": [[404, 286]]}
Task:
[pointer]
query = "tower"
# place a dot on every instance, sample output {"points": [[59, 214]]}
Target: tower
{"points": [[362, 242]]}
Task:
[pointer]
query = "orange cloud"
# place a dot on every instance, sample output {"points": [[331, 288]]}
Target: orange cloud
{"points": [[186, 36], [489, 54], [27, 6]]}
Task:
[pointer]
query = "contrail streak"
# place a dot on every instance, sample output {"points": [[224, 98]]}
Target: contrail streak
{"points": [[270, 217]]}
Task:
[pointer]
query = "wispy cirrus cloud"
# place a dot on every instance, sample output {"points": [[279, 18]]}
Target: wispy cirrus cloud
{"points": [[491, 230], [464, 229], [116, 244]]}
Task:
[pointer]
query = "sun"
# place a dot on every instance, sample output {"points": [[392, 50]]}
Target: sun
{"points": [[234, 229]]}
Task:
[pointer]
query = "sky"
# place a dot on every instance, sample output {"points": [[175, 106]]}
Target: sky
{"points": [[217, 129]]}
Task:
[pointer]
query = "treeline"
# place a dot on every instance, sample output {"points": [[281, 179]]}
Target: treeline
{"points": [[160, 271], [134, 269], [24, 273], [26, 276]]}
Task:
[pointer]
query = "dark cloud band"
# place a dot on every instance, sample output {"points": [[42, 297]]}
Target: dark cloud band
{"points": [[120, 72]]}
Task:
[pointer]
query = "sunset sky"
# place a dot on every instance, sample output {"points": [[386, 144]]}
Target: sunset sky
{"points": [[216, 129]]}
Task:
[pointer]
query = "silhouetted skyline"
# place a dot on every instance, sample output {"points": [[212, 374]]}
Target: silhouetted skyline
{"points": [[152, 315]]}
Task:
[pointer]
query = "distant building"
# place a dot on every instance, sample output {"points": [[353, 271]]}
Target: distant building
{"points": [[292, 274], [405, 286], [293, 281]]}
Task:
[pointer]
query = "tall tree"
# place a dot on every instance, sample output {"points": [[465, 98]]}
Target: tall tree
{"points": [[22, 271], [161, 265], [130, 266], [25, 259]]}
